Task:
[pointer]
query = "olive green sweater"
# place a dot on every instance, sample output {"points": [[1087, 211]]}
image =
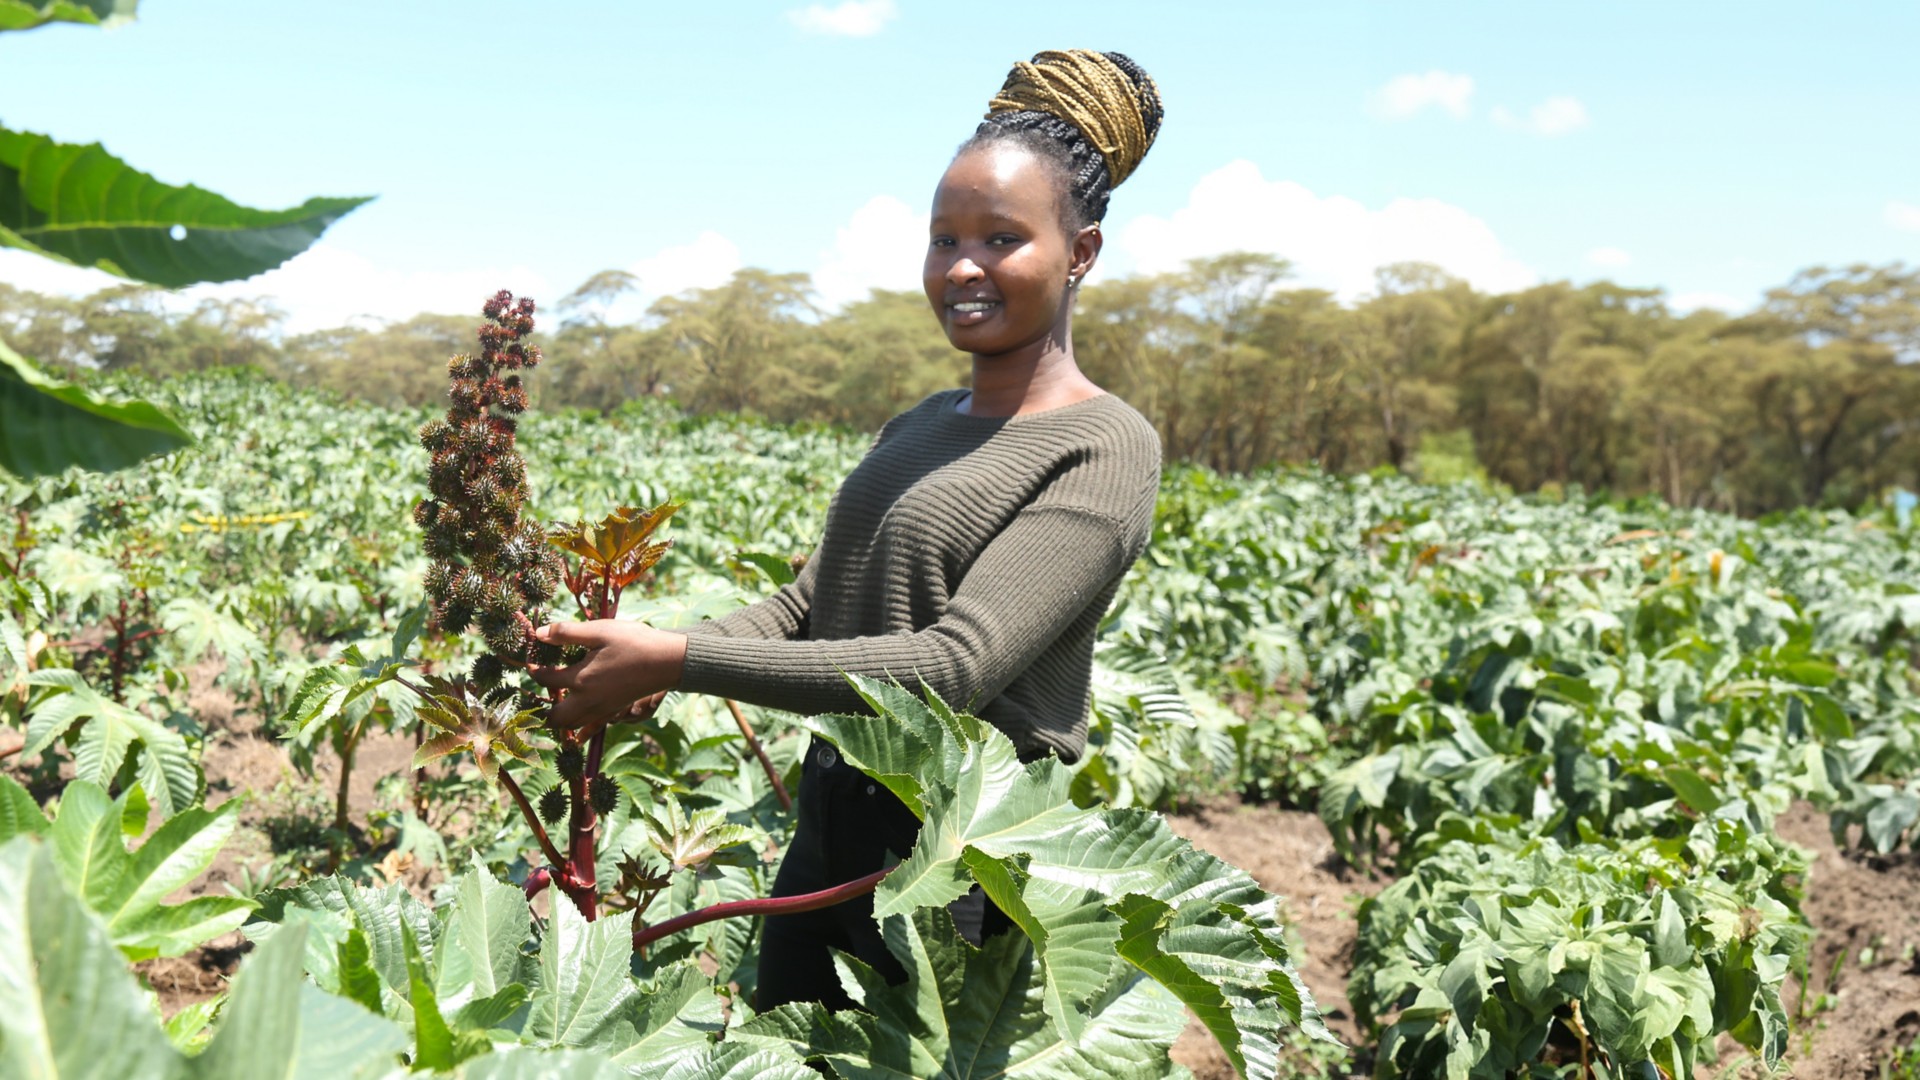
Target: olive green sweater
{"points": [[975, 554]]}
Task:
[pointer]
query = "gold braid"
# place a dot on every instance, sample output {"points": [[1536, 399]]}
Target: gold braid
{"points": [[1090, 92]]}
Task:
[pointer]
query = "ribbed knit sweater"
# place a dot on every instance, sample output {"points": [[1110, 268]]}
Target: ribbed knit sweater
{"points": [[976, 554]]}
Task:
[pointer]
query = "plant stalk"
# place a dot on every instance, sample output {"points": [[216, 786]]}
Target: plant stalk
{"points": [[533, 819], [753, 743], [778, 905]]}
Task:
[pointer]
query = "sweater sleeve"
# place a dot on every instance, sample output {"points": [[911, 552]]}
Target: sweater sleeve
{"points": [[780, 617], [1027, 586]]}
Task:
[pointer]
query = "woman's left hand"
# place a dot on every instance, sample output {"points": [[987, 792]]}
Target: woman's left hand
{"points": [[625, 661]]}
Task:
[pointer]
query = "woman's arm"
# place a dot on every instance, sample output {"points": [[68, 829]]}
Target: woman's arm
{"points": [[1025, 589], [780, 617], [1027, 586]]}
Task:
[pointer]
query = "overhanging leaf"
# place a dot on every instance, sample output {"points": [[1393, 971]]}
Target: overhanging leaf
{"points": [[82, 205], [25, 14], [48, 426]]}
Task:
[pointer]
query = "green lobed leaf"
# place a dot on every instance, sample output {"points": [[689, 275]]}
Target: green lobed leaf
{"points": [[82, 205], [1062, 871], [69, 1009], [48, 426], [966, 1012]]}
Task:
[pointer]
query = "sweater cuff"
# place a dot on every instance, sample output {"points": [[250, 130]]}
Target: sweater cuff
{"points": [[712, 656]]}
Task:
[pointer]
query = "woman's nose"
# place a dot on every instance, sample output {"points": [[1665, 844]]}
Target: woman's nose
{"points": [[964, 271]]}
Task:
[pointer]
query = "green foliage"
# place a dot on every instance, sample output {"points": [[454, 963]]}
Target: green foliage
{"points": [[47, 425], [1500, 951], [82, 205], [125, 888], [1131, 892], [26, 14]]}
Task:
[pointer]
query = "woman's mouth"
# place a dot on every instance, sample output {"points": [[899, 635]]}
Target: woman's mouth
{"points": [[972, 312]]}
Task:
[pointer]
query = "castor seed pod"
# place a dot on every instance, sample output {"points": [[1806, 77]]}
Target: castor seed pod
{"points": [[454, 618], [470, 588], [504, 636], [570, 761], [434, 435], [499, 694], [603, 795], [545, 653], [553, 805], [424, 513], [437, 581], [488, 671]]}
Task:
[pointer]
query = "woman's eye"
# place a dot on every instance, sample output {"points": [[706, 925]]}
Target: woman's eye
{"points": [[1004, 240], [942, 241]]}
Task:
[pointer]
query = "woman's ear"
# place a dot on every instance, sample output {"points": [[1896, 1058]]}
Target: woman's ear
{"points": [[1086, 250]]}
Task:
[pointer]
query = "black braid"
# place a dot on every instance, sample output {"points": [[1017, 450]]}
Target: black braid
{"points": [[1081, 167]]}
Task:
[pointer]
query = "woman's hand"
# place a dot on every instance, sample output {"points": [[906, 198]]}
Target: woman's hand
{"points": [[626, 662]]}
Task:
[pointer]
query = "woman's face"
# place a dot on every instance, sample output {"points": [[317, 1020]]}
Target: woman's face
{"points": [[997, 254]]}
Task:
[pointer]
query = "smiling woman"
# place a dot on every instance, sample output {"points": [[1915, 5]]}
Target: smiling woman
{"points": [[976, 547]]}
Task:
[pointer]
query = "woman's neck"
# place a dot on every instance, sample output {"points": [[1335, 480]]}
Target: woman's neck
{"points": [[1036, 379]]}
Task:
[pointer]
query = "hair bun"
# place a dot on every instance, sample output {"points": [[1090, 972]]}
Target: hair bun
{"points": [[1113, 102]]}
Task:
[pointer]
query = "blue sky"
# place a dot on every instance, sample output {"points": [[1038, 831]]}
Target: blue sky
{"points": [[1709, 149]]}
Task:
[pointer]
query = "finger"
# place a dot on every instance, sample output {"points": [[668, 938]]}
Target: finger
{"points": [[569, 712], [647, 705], [556, 678], [589, 634]]}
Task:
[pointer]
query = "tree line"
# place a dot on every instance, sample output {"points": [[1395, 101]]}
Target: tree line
{"points": [[1812, 398]]}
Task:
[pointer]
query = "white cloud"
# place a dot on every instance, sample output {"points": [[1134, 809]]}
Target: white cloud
{"points": [[1610, 257], [1717, 301], [854, 18], [1903, 216], [43, 275], [329, 286], [326, 286], [1554, 116], [881, 247], [1407, 95], [707, 262], [1333, 242]]}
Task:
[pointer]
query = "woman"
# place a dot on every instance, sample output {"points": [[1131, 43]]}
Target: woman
{"points": [[976, 546]]}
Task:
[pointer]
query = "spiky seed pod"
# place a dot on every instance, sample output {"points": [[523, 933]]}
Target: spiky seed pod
{"points": [[425, 512], [470, 588], [553, 805], [569, 761], [499, 694], [545, 653], [602, 794], [442, 544], [437, 581], [510, 472], [500, 604], [488, 672], [504, 636], [454, 618], [434, 435]]}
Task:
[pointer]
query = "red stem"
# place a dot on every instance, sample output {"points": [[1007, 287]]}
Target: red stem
{"points": [[581, 825], [533, 819], [777, 905]]}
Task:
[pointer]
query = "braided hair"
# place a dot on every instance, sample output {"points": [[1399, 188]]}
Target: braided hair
{"points": [[1092, 116]]}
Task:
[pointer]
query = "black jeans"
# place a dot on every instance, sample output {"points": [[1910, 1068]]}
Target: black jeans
{"points": [[847, 825]]}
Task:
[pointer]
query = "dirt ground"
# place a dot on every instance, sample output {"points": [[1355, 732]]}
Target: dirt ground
{"points": [[1864, 1001]]}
